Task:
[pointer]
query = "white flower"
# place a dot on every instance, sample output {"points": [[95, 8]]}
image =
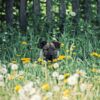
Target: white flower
{"points": [[21, 72], [21, 92], [56, 88], [49, 94], [72, 13], [56, 65], [81, 72], [14, 66], [60, 77], [36, 97], [33, 91], [1, 77], [83, 87], [55, 74], [73, 80], [3, 70], [28, 87]]}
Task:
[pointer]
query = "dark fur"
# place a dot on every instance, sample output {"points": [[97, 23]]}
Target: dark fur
{"points": [[49, 50]]}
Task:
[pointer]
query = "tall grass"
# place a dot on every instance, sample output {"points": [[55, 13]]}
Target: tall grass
{"points": [[76, 49]]}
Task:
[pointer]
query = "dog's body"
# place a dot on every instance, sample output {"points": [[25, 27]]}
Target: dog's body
{"points": [[49, 50]]}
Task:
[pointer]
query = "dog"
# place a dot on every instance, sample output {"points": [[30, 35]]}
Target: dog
{"points": [[49, 50]]}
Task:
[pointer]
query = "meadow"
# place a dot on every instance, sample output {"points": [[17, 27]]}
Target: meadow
{"points": [[74, 75]]}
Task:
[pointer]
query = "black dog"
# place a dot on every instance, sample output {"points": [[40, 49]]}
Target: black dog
{"points": [[49, 50]]}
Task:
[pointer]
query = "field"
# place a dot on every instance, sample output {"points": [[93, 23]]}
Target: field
{"points": [[74, 75]]}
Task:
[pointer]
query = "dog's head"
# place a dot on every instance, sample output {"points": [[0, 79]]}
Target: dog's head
{"points": [[49, 50]]}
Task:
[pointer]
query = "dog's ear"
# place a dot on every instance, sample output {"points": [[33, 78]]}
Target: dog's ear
{"points": [[42, 44], [56, 44]]}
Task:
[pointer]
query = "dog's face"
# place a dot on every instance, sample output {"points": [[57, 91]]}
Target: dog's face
{"points": [[49, 50]]}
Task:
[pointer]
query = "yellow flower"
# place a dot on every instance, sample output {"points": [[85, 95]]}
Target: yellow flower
{"points": [[94, 70], [25, 60], [24, 43], [66, 92], [95, 54], [45, 87], [55, 60], [65, 81], [62, 44], [66, 75], [41, 61], [18, 88], [61, 57]]}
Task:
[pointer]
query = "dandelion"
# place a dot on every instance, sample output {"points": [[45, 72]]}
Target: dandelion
{"points": [[65, 81], [85, 86], [28, 87], [45, 87], [42, 61], [36, 97], [32, 91], [55, 60], [55, 74], [60, 77], [18, 88], [66, 92], [95, 54], [81, 72], [94, 70], [56, 65], [66, 75], [25, 60], [3, 70], [73, 80], [56, 88], [14, 66], [61, 57]]}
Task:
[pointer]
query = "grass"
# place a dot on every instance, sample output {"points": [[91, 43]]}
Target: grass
{"points": [[74, 77]]}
